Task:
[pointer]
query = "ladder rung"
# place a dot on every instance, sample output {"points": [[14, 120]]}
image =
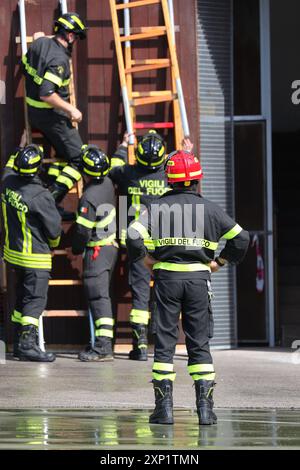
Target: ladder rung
{"points": [[136, 37], [150, 61], [144, 68], [153, 125], [29, 39], [143, 29], [64, 313], [138, 3], [145, 94], [60, 252], [153, 100], [64, 282], [52, 160]]}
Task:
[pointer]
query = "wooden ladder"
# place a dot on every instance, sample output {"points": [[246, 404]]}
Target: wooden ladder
{"points": [[27, 137], [128, 66]]}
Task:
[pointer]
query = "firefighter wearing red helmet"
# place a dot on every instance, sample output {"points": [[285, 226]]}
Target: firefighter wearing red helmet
{"points": [[185, 229]]}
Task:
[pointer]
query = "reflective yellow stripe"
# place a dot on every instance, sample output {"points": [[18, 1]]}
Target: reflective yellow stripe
{"points": [[103, 332], [25, 260], [10, 162], [66, 22], [31, 71], [105, 241], [77, 20], [37, 104], [210, 376], [35, 256], [196, 173], [163, 366], [179, 175], [66, 82], [157, 376], [33, 160], [65, 181], [107, 220], [105, 321], [5, 224], [232, 233], [70, 171], [201, 368], [54, 242], [53, 78], [23, 228], [28, 171], [136, 203], [85, 222], [197, 242], [140, 229], [30, 321], [139, 316], [115, 161], [87, 160], [182, 267], [16, 317]]}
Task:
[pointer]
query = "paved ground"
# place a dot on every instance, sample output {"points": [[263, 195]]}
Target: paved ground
{"points": [[245, 379]]}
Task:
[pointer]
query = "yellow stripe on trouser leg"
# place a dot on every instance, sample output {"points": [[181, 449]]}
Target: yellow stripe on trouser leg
{"points": [[105, 321], [202, 371], [104, 332], [163, 371], [139, 316], [30, 321], [16, 317]]}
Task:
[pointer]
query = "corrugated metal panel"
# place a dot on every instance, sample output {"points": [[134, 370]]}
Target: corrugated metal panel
{"points": [[214, 26]]}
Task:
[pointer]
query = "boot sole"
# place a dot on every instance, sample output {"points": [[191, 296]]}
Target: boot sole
{"points": [[162, 421], [100, 359], [138, 359], [27, 359], [208, 422]]}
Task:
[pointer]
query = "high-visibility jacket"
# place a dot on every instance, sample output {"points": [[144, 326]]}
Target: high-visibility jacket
{"points": [[185, 229], [96, 218], [47, 70], [141, 186], [31, 221]]}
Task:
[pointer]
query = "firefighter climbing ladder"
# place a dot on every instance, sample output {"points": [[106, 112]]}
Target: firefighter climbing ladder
{"points": [[77, 189], [128, 67]]}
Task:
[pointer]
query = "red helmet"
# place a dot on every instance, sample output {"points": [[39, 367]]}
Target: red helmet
{"points": [[182, 166]]}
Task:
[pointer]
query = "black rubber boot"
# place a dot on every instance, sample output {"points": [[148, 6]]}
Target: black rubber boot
{"points": [[163, 413], [102, 351], [17, 330], [59, 192], [204, 401], [29, 349], [139, 342]]}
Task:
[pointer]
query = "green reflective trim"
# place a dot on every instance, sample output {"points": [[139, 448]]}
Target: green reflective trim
{"points": [[30, 321], [92, 173], [139, 316], [143, 162], [87, 160], [65, 181], [54, 242], [140, 229], [105, 241], [192, 267], [115, 161], [77, 20], [136, 203], [16, 317], [103, 332], [201, 368], [70, 171], [107, 220], [25, 260], [33, 160], [31, 71], [26, 171], [85, 222], [27, 237], [210, 376], [66, 22], [53, 78], [179, 175], [232, 233], [157, 376], [5, 225], [105, 321], [163, 366], [54, 172], [197, 242], [10, 162], [37, 104]]}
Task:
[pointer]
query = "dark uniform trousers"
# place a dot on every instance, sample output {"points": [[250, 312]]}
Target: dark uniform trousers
{"points": [[139, 281], [96, 279], [63, 136], [31, 294], [191, 298]]}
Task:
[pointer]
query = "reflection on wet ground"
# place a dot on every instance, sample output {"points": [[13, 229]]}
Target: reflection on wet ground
{"points": [[129, 429]]}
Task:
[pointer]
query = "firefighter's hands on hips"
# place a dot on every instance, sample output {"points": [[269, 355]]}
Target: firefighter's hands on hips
{"points": [[75, 114], [149, 262]]}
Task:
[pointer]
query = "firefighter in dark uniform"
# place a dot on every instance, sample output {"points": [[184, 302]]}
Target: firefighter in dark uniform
{"points": [[46, 66], [185, 230], [95, 236], [141, 183], [32, 228]]}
